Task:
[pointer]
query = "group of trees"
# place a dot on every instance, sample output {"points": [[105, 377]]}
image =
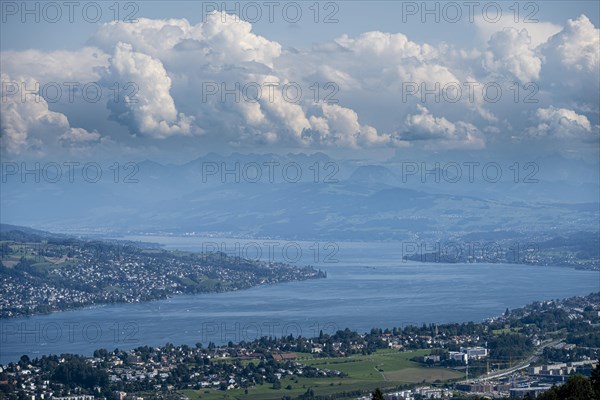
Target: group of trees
{"points": [[509, 346], [75, 371], [591, 339]]}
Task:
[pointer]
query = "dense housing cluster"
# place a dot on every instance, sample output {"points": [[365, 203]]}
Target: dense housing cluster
{"points": [[39, 276]]}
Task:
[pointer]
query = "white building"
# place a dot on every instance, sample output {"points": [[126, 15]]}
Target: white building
{"points": [[457, 356], [81, 397], [402, 395], [432, 393], [474, 352]]}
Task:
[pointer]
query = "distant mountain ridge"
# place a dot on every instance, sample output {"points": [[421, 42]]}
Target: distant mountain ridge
{"points": [[315, 198]]}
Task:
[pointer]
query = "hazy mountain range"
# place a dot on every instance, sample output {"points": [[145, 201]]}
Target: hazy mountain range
{"points": [[332, 199]]}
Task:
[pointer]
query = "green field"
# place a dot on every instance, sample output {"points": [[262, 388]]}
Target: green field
{"points": [[384, 369], [506, 330], [28, 252]]}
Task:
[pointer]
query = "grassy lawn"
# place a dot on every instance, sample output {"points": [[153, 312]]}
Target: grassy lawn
{"points": [[416, 375], [30, 253], [53, 264], [506, 330], [384, 369]]}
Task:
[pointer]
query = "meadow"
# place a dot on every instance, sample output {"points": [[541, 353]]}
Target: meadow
{"points": [[385, 369]]}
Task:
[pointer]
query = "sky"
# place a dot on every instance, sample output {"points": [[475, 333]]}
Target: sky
{"points": [[171, 81]]}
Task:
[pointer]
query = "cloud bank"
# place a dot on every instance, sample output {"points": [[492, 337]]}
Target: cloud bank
{"points": [[167, 79]]}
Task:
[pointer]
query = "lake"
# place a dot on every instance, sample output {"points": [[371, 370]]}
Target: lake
{"points": [[368, 285]]}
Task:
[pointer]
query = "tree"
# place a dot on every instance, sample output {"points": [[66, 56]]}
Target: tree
{"points": [[595, 379], [549, 395], [24, 361], [577, 387], [377, 395], [309, 394]]}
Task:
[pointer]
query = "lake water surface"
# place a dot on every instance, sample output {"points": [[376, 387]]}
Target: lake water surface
{"points": [[368, 285]]}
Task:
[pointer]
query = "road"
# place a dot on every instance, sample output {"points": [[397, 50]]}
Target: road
{"points": [[522, 365]]}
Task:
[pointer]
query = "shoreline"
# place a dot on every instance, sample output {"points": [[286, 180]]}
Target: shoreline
{"points": [[407, 262], [484, 320]]}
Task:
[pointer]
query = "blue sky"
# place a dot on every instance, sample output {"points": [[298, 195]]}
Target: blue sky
{"points": [[354, 17], [361, 77]]}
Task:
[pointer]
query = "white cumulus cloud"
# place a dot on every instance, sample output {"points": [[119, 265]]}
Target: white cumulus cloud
{"points": [[424, 126], [510, 51], [150, 109], [564, 124], [578, 45], [28, 125]]}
